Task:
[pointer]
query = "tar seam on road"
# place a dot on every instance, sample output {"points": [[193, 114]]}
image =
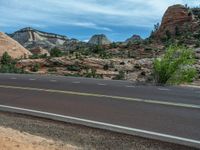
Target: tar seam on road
{"points": [[102, 125], [105, 96]]}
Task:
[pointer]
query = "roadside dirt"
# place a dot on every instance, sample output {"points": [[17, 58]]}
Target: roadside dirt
{"points": [[19, 132], [11, 139]]}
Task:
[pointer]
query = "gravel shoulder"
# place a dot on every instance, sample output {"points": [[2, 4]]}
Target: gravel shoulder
{"points": [[58, 135]]}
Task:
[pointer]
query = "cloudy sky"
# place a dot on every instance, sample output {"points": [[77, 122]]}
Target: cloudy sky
{"points": [[80, 19]]}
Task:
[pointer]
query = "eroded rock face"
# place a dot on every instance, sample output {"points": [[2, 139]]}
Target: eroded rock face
{"points": [[40, 51], [32, 38], [12, 47], [176, 19], [100, 39]]}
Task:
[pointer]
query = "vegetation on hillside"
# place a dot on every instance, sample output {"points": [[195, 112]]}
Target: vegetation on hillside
{"points": [[8, 65]]}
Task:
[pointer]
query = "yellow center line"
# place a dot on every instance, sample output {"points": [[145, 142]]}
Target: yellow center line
{"points": [[104, 96]]}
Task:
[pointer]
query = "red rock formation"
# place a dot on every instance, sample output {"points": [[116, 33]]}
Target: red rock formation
{"points": [[177, 18]]}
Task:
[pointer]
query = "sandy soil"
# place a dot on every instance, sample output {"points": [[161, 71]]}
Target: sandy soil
{"points": [[14, 140]]}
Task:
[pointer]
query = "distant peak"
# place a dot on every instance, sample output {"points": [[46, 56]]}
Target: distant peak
{"points": [[99, 39], [134, 38], [28, 29]]}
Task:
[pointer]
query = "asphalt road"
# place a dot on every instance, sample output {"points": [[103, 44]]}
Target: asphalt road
{"points": [[172, 112]]}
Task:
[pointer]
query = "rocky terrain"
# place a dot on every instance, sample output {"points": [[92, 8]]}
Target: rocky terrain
{"points": [[124, 69], [101, 58], [14, 49]]}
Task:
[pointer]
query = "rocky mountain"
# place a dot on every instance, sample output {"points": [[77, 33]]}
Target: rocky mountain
{"points": [[177, 20], [99, 39], [31, 38], [134, 38], [12, 47]]}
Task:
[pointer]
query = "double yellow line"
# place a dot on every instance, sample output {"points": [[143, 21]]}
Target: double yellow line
{"points": [[104, 96]]}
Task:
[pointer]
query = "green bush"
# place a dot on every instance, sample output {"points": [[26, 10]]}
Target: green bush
{"points": [[97, 49], [8, 65], [6, 59], [120, 76], [73, 68], [106, 67], [175, 67], [52, 69], [92, 73], [35, 68], [55, 52], [36, 56]]}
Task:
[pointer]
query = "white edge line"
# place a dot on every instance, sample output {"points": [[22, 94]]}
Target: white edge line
{"points": [[108, 126], [101, 84], [163, 89]]}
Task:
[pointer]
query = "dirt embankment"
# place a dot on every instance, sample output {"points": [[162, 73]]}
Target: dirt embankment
{"points": [[11, 139]]}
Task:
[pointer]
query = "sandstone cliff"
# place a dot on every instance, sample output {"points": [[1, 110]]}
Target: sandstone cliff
{"points": [[176, 20], [12, 47]]}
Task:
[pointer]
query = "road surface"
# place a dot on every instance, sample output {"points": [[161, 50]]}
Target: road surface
{"points": [[166, 113]]}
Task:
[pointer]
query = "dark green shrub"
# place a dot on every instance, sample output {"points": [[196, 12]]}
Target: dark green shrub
{"points": [[53, 69], [8, 65], [73, 68], [55, 52], [106, 67], [35, 68], [97, 49], [175, 67], [120, 76], [36, 56], [6, 59]]}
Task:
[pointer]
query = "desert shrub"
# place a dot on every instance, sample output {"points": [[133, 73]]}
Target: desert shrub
{"points": [[120, 76], [97, 49], [92, 73], [175, 67], [8, 65], [6, 59], [35, 68], [55, 52], [106, 67], [52, 69], [73, 75], [197, 44], [11, 69], [36, 56], [113, 45], [73, 68], [105, 55]]}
